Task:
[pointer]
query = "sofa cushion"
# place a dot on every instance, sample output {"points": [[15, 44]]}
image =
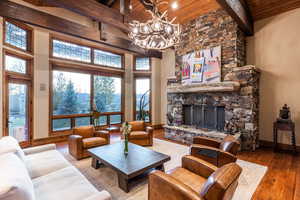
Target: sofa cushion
{"points": [[137, 125], [188, 178], [84, 131], [39, 164], [15, 183], [67, 184], [93, 142], [138, 135], [10, 144]]}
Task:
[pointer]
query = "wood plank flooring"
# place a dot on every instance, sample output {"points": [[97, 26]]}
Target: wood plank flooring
{"points": [[281, 182]]}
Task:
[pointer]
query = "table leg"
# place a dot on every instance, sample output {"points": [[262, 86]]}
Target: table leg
{"points": [[95, 163], [161, 168], [275, 138], [123, 183]]}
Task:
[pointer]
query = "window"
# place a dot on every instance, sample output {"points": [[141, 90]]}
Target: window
{"points": [[142, 98], [71, 51], [71, 93], [74, 94], [142, 63], [16, 36], [107, 59], [15, 64], [107, 93]]}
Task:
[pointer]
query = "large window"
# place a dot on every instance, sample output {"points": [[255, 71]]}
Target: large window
{"points": [[142, 63], [75, 93], [76, 52], [71, 51], [17, 35], [143, 98], [71, 93]]}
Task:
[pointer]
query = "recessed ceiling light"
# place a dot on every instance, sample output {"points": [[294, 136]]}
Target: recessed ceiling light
{"points": [[130, 7], [174, 5]]}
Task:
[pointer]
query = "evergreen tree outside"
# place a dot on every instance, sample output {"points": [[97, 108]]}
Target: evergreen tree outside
{"points": [[59, 88], [69, 103], [104, 90]]}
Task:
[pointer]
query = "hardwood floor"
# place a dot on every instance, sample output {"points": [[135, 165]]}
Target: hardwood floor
{"points": [[281, 182]]}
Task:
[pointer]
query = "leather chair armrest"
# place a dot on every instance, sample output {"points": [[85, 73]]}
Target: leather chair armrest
{"points": [[198, 166], [163, 186], [213, 155], [104, 134], [149, 130], [206, 141], [75, 145]]}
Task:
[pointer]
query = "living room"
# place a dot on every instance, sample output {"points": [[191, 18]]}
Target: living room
{"points": [[149, 99]]}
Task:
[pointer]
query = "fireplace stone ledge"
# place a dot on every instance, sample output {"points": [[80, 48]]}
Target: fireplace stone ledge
{"points": [[226, 86], [186, 134]]}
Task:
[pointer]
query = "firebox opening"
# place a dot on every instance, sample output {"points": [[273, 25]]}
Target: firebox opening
{"points": [[204, 116]]}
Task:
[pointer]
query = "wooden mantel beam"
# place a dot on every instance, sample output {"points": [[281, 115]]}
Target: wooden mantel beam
{"points": [[37, 18], [94, 10], [240, 12]]}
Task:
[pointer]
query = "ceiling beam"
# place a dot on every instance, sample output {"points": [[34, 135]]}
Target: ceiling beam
{"points": [[34, 17], [93, 10], [240, 12]]}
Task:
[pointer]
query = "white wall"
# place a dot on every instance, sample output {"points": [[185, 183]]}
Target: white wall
{"points": [[167, 70], [156, 88], [128, 115], [275, 49]]}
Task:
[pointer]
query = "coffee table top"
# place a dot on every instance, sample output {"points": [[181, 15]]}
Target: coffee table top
{"points": [[137, 161]]}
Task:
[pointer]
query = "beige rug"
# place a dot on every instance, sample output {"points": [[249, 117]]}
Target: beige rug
{"points": [[105, 178]]}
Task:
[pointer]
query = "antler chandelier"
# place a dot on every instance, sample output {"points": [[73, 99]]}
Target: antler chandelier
{"points": [[158, 33]]}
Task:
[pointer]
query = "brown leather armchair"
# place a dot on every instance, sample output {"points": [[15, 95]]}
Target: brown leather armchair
{"points": [[86, 137], [215, 152], [195, 180], [140, 134]]}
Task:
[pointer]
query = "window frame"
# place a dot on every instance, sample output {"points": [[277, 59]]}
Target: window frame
{"points": [[93, 72], [29, 35], [74, 41], [141, 70], [142, 76]]}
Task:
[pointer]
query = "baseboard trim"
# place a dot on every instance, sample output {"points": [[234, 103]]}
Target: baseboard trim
{"points": [[49, 140], [269, 144]]}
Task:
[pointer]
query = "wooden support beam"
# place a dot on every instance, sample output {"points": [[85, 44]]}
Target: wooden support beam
{"points": [[34, 17], [239, 11], [94, 10]]}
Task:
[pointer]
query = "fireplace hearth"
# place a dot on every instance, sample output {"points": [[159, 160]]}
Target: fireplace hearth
{"points": [[204, 116]]}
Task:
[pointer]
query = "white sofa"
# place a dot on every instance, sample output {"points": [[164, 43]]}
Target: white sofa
{"points": [[41, 173]]}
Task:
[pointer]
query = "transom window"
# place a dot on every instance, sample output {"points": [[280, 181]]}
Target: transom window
{"points": [[142, 63], [15, 64], [107, 59], [71, 51], [87, 54], [17, 36]]}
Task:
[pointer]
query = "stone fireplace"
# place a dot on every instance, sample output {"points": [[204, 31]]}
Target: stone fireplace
{"points": [[215, 109]]}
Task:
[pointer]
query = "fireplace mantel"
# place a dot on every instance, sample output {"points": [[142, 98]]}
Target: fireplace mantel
{"points": [[226, 86]]}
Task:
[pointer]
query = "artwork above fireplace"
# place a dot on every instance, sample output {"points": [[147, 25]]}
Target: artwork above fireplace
{"points": [[204, 116]]}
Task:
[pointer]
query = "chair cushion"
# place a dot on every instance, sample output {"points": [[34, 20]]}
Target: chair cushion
{"points": [[10, 144], [40, 164], [188, 178], [137, 125], [15, 183], [93, 142], [67, 183], [138, 135], [84, 131]]}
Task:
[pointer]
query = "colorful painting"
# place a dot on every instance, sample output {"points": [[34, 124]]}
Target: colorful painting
{"points": [[202, 66]]}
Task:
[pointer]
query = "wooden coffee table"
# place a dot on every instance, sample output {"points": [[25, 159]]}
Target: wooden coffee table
{"points": [[138, 161]]}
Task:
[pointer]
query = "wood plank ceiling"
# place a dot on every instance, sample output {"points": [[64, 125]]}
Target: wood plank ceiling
{"points": [[261, 9]]}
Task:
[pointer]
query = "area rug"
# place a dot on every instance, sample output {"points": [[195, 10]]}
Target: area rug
{"points": [[105, 178]]}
